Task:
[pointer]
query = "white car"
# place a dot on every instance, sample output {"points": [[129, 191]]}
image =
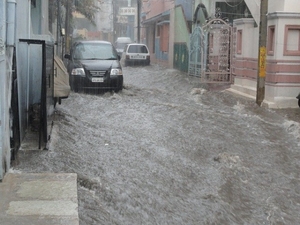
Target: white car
{"points": [[136, 54]]}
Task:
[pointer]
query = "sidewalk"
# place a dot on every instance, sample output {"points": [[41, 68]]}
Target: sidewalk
{"points": [[41, 198]]}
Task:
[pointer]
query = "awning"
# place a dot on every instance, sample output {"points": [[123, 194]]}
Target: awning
{"points": [[162, 16], [163, 22]]}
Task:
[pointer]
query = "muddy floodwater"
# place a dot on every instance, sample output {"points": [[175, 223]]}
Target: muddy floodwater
{"points": [[170, 150]]}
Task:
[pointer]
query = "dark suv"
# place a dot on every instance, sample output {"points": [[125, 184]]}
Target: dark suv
{"points": [[94, 65]]}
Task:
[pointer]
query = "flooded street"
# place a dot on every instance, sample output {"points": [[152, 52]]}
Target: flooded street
{"points": [[169, 150]]}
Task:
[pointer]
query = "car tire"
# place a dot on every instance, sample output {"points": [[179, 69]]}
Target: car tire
{"points": [[55, 102], [299, 102], [76, 89], [118, 89]]}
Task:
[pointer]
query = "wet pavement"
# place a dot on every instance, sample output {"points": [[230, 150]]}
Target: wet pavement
{"points": [[170, 150]]}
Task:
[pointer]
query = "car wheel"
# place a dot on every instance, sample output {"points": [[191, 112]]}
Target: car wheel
{"points": [[299, 102], [75, 89], [118, 89], [55, 101]]}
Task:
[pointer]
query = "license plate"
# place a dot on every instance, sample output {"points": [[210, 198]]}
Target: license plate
{"points": [[97, 79], [138, 57]]}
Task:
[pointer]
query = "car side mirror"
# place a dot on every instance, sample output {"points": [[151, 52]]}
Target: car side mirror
{"points": [[67, 56]]}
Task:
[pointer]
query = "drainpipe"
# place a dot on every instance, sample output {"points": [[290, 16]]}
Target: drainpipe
{"points": [[11, 22], [2, 76], [28, 63], [7, 79]]}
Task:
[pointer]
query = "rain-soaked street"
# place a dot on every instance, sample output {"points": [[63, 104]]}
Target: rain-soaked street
{"points": [[169, 150]]}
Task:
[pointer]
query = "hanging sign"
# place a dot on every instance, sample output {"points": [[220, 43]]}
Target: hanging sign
{"points": [[127, 11]]}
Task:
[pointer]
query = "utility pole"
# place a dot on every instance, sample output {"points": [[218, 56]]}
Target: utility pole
{"points": [[69, 6], [114, 23], [262, 52], [58, 30], [138, 21]]}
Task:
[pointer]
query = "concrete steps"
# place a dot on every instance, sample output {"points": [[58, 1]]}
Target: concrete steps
{"points": [[41, 198]]}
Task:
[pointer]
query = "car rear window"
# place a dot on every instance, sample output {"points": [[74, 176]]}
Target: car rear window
{"points": [[137, 49]]}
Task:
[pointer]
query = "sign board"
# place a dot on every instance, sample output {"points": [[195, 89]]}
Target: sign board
{"points": [[127, 11], [122, 19], [262, 62]]}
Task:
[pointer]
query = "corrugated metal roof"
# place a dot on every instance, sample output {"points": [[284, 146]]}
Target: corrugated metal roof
{"points": [[162, 16]]}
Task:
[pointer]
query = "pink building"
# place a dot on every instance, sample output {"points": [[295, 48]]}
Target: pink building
{"points": [[156, 28], [165, 29], [282, 79]]}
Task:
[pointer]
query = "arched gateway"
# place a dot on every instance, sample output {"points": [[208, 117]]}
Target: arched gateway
{"points": [[210, 48]]}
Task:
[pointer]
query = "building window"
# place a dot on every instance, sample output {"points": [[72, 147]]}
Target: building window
{"points": [[239, 41], [292, 40], [271, 40]]}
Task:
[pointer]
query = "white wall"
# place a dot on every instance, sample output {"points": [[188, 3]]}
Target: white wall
{"points": [[284, 6], [276, 5], [250, 35], [254, 7], [23, 31], [291, 5], [280, 20]]}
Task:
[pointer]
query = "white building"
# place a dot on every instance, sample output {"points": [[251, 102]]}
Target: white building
{"points": [[24, 78], [282, 79]]}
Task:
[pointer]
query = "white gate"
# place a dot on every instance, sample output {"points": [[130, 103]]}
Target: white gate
{"points": [[210, 52]]}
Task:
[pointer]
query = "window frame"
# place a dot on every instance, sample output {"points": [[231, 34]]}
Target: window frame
{"points": [[271, 40], [287, 52], [239, 41]]}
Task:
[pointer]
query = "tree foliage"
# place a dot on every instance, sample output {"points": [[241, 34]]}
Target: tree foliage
{"points": [[88, 8]]}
